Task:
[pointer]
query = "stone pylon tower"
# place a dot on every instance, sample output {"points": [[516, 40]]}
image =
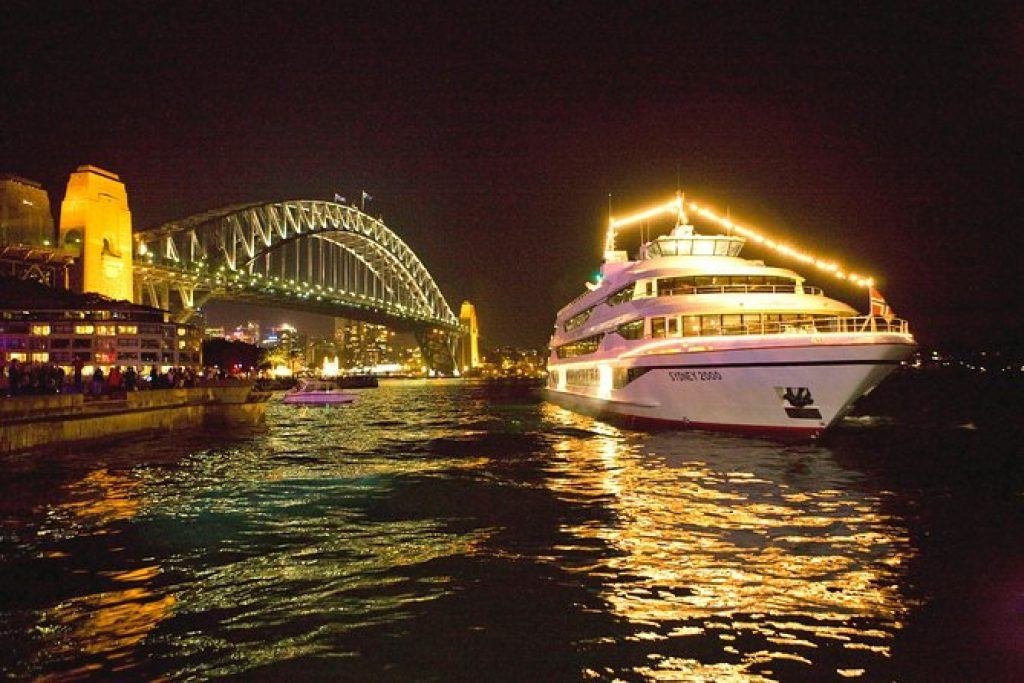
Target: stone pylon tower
{"points": [[469, 346], [96, 225]]}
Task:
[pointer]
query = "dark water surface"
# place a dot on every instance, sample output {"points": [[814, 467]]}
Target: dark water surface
{"points": [[431, 532]]}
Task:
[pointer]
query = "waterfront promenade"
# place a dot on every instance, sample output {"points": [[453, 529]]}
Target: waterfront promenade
{"points": [[62, 419]]}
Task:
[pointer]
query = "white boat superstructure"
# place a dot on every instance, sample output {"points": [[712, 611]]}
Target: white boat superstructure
{"points": [[318, 392], [689, 334]]}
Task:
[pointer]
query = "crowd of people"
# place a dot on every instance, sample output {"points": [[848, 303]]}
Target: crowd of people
{"points": [[19, 378]]}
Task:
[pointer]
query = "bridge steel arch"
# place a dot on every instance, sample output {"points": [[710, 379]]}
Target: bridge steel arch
{"points": [[310, 255]]}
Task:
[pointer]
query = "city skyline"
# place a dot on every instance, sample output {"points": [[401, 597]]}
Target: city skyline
{"points": [[489, 141]]}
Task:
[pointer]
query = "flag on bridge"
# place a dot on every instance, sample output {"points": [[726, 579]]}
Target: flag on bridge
{"points": [[879, 307], [339, 198]]}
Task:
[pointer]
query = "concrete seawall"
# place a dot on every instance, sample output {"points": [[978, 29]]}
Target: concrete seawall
{"points": [[28, 422]]}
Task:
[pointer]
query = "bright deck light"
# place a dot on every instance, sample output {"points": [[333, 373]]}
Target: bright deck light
{"points": [[677, 206]]}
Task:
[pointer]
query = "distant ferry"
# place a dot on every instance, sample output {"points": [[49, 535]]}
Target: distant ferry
{"points": [[691, 335], [318, 392]]}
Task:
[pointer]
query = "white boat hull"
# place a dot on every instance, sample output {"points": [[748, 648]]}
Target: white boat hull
{"points": [[790, 386]]}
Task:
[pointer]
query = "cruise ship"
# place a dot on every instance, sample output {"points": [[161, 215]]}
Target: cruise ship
{"points": [[691, 335]]}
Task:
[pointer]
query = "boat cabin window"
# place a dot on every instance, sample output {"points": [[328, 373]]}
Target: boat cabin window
{"points": [[665, 326], [578, 319], [634, 329], [695, 246], [582, 377], [658, 327], [580, 347], [732, 324], [745, 323], [622, 296]]}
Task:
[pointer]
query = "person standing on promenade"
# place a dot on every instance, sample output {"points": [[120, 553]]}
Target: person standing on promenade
{"points": [[114, 380], [14, 378], [78, 375], [97, 382]]}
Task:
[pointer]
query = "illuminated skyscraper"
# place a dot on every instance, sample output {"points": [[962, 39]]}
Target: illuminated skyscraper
{"points": [[365, 344]]}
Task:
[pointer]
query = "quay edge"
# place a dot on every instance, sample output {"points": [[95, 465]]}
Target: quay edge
{"points": [[30, 422]]}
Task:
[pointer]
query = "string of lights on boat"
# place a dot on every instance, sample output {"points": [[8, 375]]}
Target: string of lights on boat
{"points": [[679, 205]]}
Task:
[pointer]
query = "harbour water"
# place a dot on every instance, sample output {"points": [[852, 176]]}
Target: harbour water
{"points": [[433, 531]]}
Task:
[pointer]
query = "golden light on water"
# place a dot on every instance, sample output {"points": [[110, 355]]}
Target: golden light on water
{"points": [[775, 560], [113, 622]]}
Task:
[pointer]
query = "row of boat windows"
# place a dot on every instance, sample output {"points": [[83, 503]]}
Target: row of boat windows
{"points": [[732, 323], [726, 246], [591, 377], [699, 284], [694, 284], [659, 327]]}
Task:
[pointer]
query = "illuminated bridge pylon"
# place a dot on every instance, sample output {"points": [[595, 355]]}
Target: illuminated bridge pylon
{"points": [[315, 256]]}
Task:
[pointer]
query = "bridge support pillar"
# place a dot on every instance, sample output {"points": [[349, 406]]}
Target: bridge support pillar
{"points": [[95, 222], [469, 342]]}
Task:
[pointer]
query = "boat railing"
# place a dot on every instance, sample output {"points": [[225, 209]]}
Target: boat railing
{"points": [[815, 326], [730, 289], [821, 325]]}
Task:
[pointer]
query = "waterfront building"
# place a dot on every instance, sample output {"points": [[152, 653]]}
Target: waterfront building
{"points": [[248, 333], [365, 345], [286, 349], [46, 325], [25, 217], [321, 351], [509, 360]]}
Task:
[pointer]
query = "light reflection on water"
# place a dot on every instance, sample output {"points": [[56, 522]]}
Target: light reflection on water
{"points": [[429, 531], [771, 550]]}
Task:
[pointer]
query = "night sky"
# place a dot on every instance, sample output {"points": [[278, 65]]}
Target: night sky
{"points": [[884, 135]]}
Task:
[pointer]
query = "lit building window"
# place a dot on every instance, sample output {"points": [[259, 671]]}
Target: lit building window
{"points": [[127, 329], [107, 330], [41, 330], [181, 331], [85, 329], [40, 357]]}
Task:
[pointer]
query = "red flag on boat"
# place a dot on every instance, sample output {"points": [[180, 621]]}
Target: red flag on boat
{"points": [[879, 307]]}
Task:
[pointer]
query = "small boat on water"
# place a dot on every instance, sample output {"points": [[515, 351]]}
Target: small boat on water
{"points": [[318, 392]]}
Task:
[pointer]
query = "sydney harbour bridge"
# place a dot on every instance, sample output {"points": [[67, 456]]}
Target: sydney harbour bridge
{"points": [[316, 256]]}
